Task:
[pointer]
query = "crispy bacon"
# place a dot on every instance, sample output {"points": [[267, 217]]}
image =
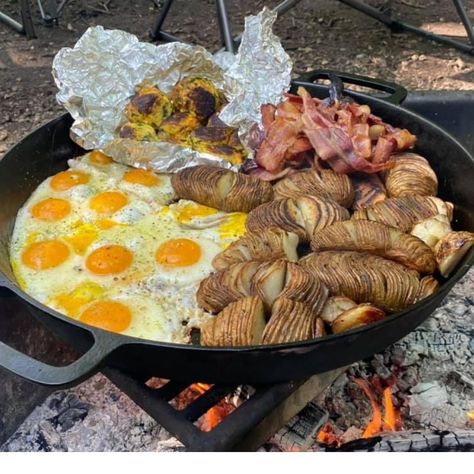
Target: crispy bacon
{"points": [[339, 131], [280, 137], [268, 115]]}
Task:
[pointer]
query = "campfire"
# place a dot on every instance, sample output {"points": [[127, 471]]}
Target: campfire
{"points": [[385, 416]]}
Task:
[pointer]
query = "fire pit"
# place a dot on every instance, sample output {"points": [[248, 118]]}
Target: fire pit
{"points": [[416, 396]]}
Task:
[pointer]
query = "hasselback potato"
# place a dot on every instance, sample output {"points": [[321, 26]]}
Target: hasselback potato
{"points": [[377, 239], [319, 183], [240, 324], [302, 215], [411, 174], [366, 278], [270, 244], [221, 188], [290, 321], [368, 190], [222, 288], [405, 212]]}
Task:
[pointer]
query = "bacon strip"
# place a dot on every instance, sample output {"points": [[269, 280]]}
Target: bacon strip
{"points": [[339, 133]]}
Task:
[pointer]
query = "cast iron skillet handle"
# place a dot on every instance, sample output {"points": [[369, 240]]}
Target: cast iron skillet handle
{"points": [[31, 369], [397, 94]]}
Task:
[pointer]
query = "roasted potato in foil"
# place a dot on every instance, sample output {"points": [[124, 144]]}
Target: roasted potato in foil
{"points": [[150, 106]]}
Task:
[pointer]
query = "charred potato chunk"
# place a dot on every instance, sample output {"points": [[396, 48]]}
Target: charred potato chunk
{"points": [[150, 106], [197, 95]]}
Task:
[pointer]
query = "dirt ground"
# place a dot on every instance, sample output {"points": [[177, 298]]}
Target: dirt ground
{"points": [[316, 34]]}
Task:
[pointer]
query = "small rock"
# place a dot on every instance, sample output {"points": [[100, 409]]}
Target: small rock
{"points": [[415, 57], [422, 57], [3, 135]]}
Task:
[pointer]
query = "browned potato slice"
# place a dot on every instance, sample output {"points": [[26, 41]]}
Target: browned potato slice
{"points": [[451, 248], [411, 174], [431, 230], [361, 315], [270, 244], [318, 213], [365, 278], [268, 281], [281, 213], [405, 212], [336, 305], [325, 184], [302, 286], [222, 288], [378, 239], [290, 321], [240, 324]]}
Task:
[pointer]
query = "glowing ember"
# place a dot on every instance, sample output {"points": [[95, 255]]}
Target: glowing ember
{"points": [[470, 416], [327, 436], [392, 420]]}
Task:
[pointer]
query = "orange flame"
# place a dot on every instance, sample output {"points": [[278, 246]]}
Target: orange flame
{"points": [[375, 424], [390, 421], [470, 416]]}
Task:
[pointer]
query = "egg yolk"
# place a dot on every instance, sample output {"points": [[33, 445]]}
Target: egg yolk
{"points": [[109, 315], [67, 179], [82, 238], [109, 260], [73, 301], [45, 254], [108, 202], [143, 177], [99, 158], [51, 209], [189, 212], [178, 253]]}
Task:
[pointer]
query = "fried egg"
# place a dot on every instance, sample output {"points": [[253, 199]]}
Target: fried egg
{"points": [[102, 243]]}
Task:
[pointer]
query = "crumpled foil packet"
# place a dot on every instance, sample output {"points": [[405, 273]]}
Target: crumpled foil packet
{"points": [[97, 78]]}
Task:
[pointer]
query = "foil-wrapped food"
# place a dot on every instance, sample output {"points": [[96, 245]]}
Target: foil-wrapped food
{"points": [[187, 116]]}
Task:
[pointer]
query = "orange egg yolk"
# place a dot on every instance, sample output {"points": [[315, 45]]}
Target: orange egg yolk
{"points": [[178, 253], [143, 177], [51, 209], [108, 202], [109, 315], [99, 158], [45, 254], [67, 179], [109, 260]]}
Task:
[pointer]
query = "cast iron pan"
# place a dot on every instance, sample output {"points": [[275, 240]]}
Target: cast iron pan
{"points": [[45, 152]]}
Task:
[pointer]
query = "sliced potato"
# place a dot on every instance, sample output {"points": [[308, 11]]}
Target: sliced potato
{"points": [[240, 324], [361, 315]]}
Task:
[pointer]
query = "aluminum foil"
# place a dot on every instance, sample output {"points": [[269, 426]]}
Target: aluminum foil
{"points": [[97, 78]]}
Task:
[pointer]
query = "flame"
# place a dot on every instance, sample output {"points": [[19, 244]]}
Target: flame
{"points": [[375, 424], [389, 421], [392, 420], [470, 416]]}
